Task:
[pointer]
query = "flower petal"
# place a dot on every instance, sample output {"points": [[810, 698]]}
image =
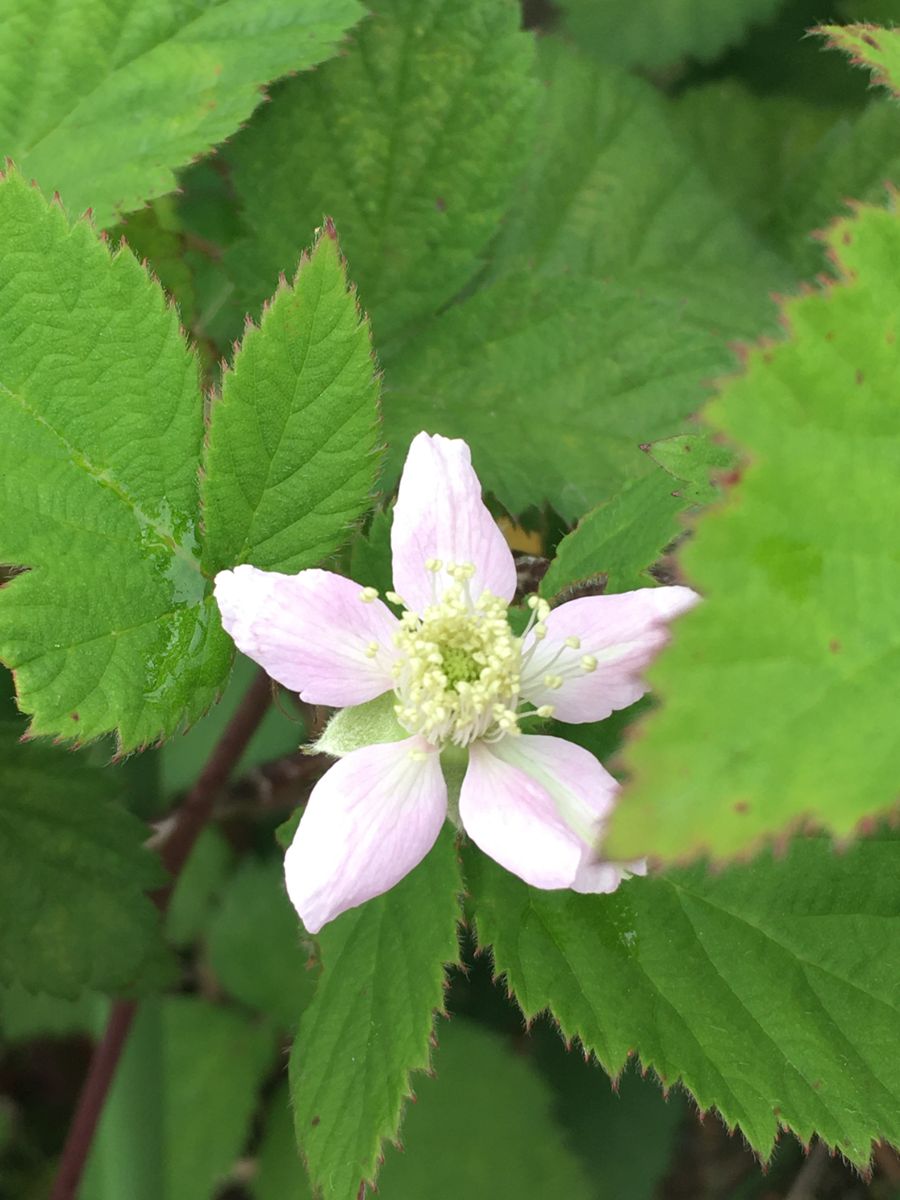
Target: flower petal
{"points": [[622, 632], [440, 515], [310, 632], [371, 818], [537, 805]]}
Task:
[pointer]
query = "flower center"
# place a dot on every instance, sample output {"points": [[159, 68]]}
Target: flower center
{"points": [[458, 675]]}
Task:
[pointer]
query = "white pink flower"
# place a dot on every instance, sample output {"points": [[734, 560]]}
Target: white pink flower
{"points": [[460, 689]]}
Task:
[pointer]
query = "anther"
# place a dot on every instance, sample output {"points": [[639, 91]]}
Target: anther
{"points": [[545, 710], [553, 682], [573, 643], [391, 597], [368, 594], [589, 663]]}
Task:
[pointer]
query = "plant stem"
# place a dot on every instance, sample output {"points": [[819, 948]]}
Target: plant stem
{"points": [[191, 818]]}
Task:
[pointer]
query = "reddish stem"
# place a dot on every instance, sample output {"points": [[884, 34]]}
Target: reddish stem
{"points": [[191, 818]]}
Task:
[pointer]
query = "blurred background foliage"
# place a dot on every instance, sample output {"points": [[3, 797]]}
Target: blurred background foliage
{"points": [[778, 132]]}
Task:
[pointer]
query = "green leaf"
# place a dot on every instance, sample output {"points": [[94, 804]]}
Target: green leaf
{"points": [[588, 205], [752, 146], [484, 1116], [870, 46], [412, 141], [104, 101], [775, 689], [215, 1061], [620, 539], [695, 460], [73, 876], [290, 461], [25, 1015], [769, 990], [600, 366], [281, 1175], [254, 945], [114, 627], [662, 32], [211, 1062], [370, 1023]]}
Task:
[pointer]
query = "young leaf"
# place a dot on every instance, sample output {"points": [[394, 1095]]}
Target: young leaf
{"points": [[104, 101], [290, 460], [73, 876], [660, 33], [412, 141], [114, 627], [370, 1023], [601, 365], [869, 46], [775, 690], [770, 990], [697, 462], [621, 538]]}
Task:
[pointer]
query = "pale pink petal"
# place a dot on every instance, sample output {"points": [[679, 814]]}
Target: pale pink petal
{"points": [[537, 805], [622, 632], [371, 818], [311, 632], [440, 515]]}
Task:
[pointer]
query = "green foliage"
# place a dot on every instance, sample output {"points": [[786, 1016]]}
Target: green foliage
{"points": [[207, 1109], [600, 366], [660, 33], [114, 626], [290, 461], [871, 47], [73, 877], [103, 422], [485, 1116], [697, 461], [790, 165], [211, 1062], [101, 102], [620, 539], [254, 945], [768, 990], [411, 141], [281, 1175], [775, 689], [280, 732], [370, 1023], [201, 881], [589, 205]]}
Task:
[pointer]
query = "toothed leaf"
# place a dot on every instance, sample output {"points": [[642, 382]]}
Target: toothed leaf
{"points": [[102, 102], [291, 458], [370, 1023], [413, 141], [620, 539], [113, 627], [775, 690], [770, 990]]}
